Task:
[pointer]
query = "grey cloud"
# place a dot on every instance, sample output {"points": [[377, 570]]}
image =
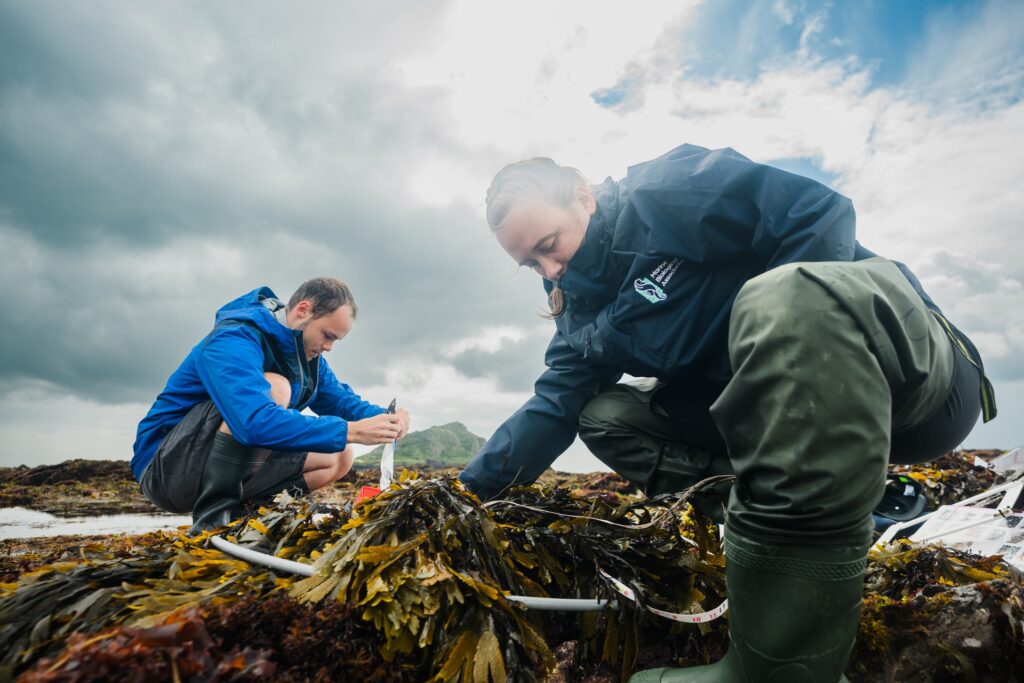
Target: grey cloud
{"points": [[145, 122], [975, 277], [110, 322], [158, 162], [985, 302], [103, 323], [515, 366], [83, 51]]}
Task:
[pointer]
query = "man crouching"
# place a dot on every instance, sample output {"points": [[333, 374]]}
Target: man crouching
{"points": [[228, 426]]}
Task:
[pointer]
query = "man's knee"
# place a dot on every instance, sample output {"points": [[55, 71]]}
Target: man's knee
{"points": [[322, 469], [345, 459], [280, 388]]}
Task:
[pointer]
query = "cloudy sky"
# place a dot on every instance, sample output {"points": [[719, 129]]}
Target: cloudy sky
{"points": [[158, 159]]}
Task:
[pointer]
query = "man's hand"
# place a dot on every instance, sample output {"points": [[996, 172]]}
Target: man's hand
{"points": [[403, 416], [377, 429]]}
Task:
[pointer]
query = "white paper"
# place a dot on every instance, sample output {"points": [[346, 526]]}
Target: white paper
{"points": [[992, 535], [387, 465], [1014, 460]]}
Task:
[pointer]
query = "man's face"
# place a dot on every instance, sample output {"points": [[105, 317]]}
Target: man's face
{"points": [[319, 334]]}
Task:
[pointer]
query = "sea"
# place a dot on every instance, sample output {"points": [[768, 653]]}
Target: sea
{"points": [[19, 522]]}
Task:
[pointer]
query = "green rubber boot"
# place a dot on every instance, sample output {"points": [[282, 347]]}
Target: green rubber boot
{"points": [[793, 615], [220, 490]]}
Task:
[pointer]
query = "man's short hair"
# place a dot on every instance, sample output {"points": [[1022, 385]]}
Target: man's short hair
{"points": [[327, 294]]}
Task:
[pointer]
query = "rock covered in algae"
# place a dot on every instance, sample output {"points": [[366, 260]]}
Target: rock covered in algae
{"points": [[249, 639], [412, 586], [932, 613], [951, 478], [426, 565]]}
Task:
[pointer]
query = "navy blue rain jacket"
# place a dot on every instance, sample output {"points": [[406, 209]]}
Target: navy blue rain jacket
{"points": [[227, 367], [651, 288]]}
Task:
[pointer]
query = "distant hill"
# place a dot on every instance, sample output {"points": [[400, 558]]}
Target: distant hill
{"points": [[450, 445]]}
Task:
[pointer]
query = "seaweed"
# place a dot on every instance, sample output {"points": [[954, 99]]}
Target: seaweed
{"points": [[251, 639], [426, 564], [933, 613], [951, 478], [414, 584]]}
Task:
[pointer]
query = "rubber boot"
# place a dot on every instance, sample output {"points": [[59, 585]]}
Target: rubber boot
{"points": [[793, 615], [220, 489]]}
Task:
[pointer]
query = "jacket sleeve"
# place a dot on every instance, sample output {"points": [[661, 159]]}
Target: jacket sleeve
{"points": [[230, 366], [336, 398], [530, 440]]}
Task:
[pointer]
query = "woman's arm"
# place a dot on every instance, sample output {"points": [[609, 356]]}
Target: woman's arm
{"points": [[530, 440]]}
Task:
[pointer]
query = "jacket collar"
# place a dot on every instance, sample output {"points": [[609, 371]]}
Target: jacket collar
{"points": [[591, 274]]}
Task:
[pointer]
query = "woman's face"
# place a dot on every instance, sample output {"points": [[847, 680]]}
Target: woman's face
{"points": [[545, 237]]}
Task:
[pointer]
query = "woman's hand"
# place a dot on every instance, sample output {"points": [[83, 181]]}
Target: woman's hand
{"points": [[377, 429]]}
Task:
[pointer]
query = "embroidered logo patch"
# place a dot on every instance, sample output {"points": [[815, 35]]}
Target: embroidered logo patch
{"points": [[648, 290], [651, 287]]}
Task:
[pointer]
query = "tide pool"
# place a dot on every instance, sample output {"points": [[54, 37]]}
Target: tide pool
{"points": [[17, 522]]}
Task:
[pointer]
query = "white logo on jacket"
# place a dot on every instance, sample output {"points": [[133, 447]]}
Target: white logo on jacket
{"points": [[648, 290], [650, 287]]}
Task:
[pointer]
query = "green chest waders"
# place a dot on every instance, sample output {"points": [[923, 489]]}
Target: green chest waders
{"points": [[828, 359]]}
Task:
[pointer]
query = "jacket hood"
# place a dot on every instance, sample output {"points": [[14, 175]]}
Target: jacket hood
{"points": [[258, 307]]}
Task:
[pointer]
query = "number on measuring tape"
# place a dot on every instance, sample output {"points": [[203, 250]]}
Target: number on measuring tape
{"points": [[697, 618]]}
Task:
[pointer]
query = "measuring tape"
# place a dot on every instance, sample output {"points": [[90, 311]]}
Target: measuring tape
{"points": [[699, 618]]}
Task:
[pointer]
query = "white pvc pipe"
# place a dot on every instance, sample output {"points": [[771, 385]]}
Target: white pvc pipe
{"points": [[549, 604], [562, 604], [256, 557]]}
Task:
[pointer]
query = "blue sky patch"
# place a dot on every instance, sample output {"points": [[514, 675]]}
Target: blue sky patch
{"points": [[739, 38], [627, 93], [805, 166]]}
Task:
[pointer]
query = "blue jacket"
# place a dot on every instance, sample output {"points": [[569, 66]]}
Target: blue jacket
{"points": [[651, 288], [228, 365]]}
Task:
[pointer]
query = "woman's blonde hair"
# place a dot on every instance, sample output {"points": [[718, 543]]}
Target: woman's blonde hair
{"points": [[537, 178]]}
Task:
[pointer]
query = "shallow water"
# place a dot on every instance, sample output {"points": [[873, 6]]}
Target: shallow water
{"points": [[20, 522]]}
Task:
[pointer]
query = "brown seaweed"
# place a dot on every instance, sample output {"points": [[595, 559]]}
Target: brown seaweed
{"points": [[416, 582]]}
